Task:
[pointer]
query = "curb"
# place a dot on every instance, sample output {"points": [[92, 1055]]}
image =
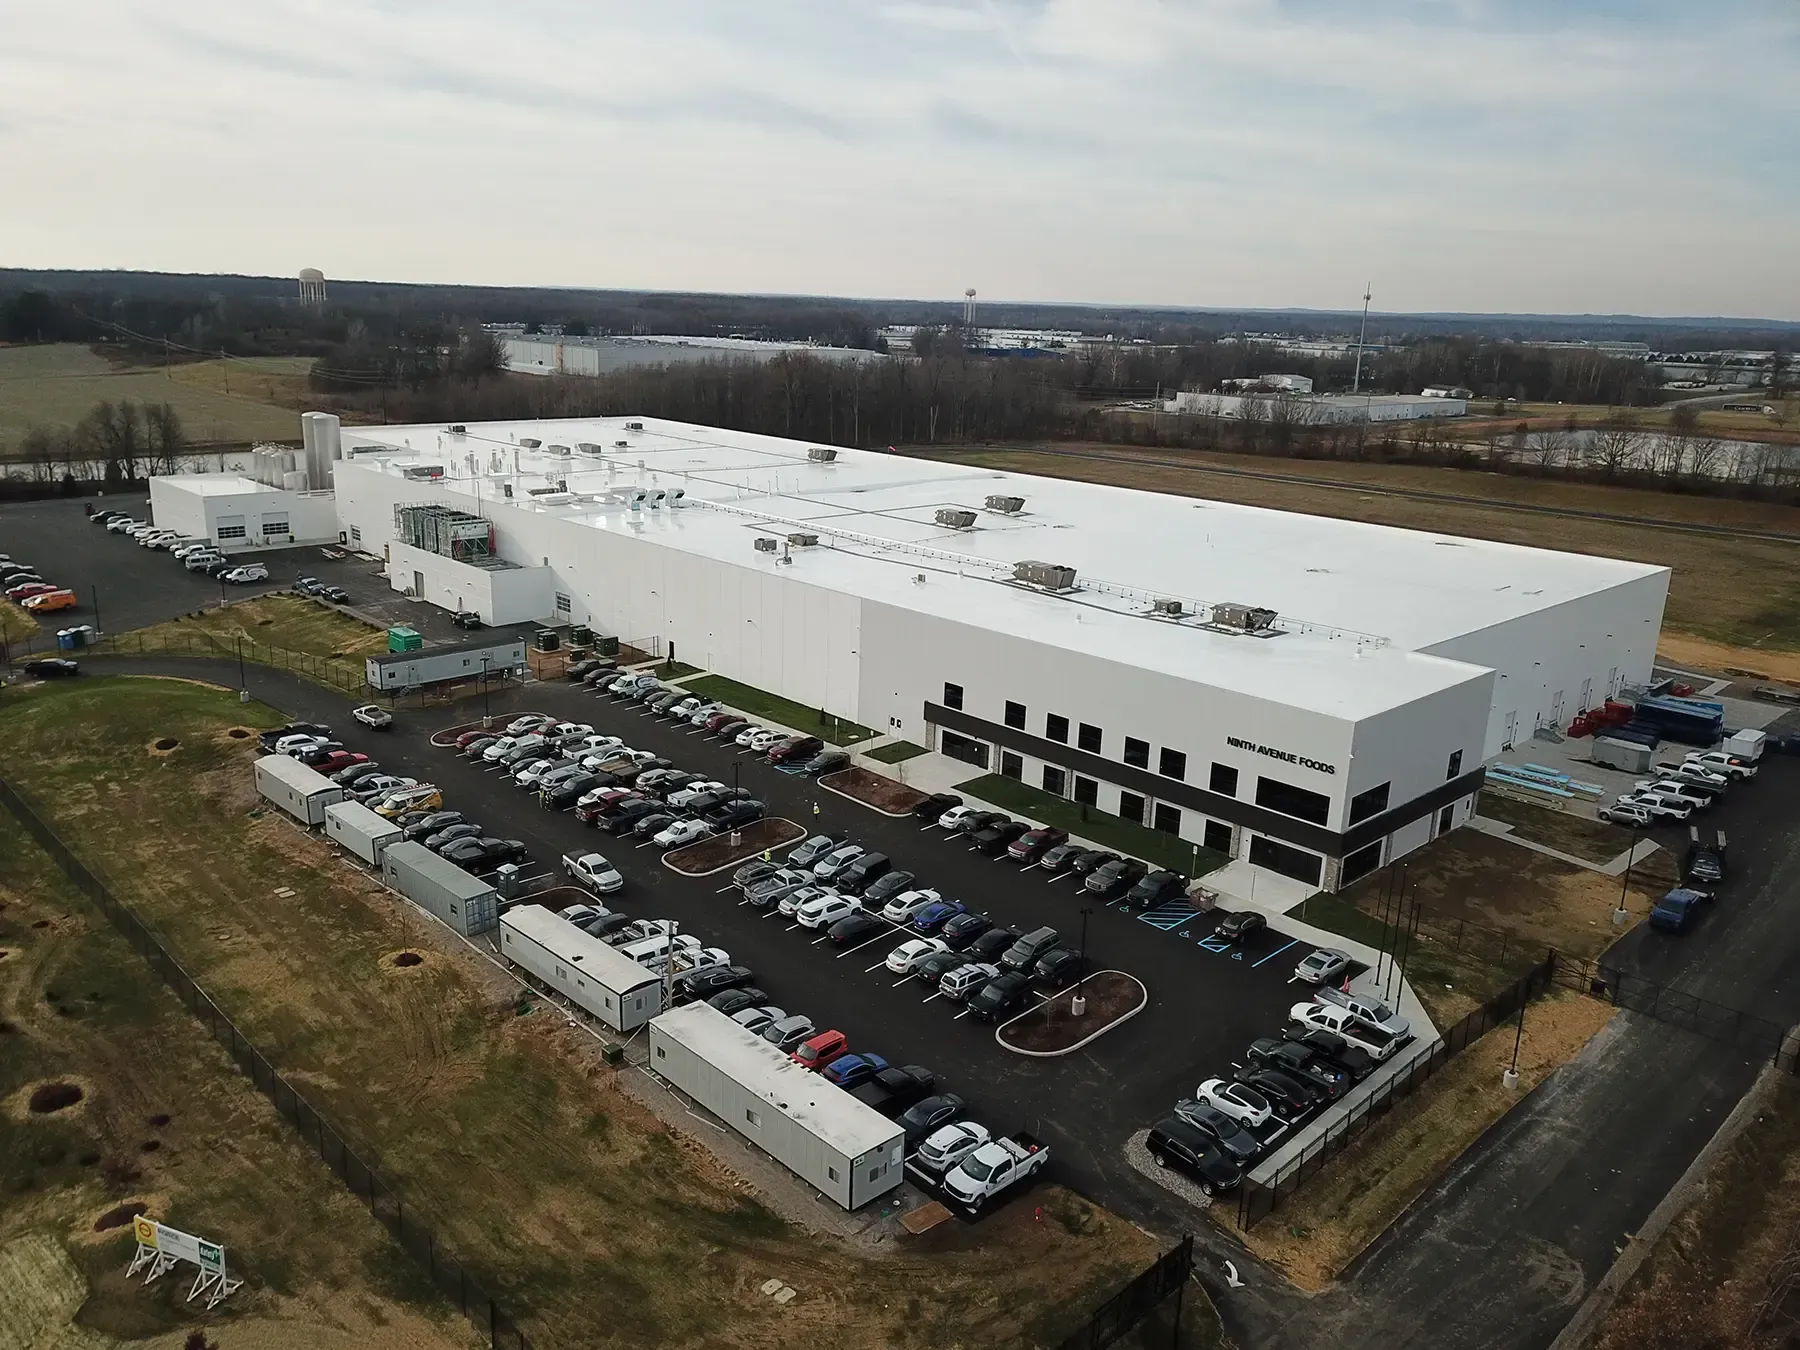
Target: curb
{"points": [[735, 862], [836, 792], [458, 728], [1119, 1021]]}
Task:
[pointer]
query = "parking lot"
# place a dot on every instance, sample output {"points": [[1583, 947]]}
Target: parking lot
{"points": [[1208, 999]]}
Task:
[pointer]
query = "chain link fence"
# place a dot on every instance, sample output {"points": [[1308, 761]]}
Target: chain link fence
{"points": [[383, 1201], [1121, 1314]]}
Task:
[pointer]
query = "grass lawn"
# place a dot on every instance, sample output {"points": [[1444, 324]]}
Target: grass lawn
{"points": [[1595, 840], [168, 1122], [289, 632], [896, 751], [1738, 593], [757, 703], [1336, 1214], [676, 670], [56, 386], [1156, 847], [589, 1218], [16, 622]]}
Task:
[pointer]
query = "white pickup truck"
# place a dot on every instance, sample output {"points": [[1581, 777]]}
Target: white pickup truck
{"points": [[594, 872], [993, 1168]]}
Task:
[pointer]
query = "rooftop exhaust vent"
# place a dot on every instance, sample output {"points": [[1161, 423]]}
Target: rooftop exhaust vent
{"points": [[1171, 609], [588, 448], [657, 498], [821, 454], [1243, 618], [803, 540], [458, 429], [529, 442], [417, 471], [559, 449], [634, 426], [955, 519], [764, 544], [1006, 506], [676, 495], [620, 445], [1051, 576]]}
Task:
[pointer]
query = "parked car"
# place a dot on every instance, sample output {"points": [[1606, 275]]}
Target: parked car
{"points": [[812, 850], [484, 854], [964, 929], [243, 576], [832, 865], [268, 740], [826, 761], [1032, 845], [1292, 1097], [790, 1032], [907, 956], [308, 585], [1298, 1061], [1679, 909], [1061, 857], [934, 916], [956, 818], [1115, 878], [1329, 1017], [1627, 813], [756, 1019], [650, 825], [200, 560], [571, 790], [736, 1000], [527, 723], [422, 824], [795, 749], [1225, 1131], [754, 871], [51, 668], [1175, 1143], [593, 871], [762, 740], [353, 775], [992, 840], [679, 833], [1326, 965], [1000, 995], [847, 1071], [991, 945], [1359, 1064], [933, 968], [1719, 762], [1091, 861], [924, 1117], [826, 910], [905, 906], [1239, 925], [374, 717], [854, 929], [950, 1144], [1155, 887], [466, 618], [958, 984], [1241, 1102], [703, 984], [1026, 952], [863, 871], [1057, 968], [1366, 1008], [932, 808], [819, 1050]]}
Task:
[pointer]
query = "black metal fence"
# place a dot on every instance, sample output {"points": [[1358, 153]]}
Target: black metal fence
{"points": [[334, 672], [384, 1202], [1732, 1026], [1116, 1318], [1257, 1200]]}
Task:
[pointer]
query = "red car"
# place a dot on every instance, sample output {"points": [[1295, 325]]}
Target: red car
{"points": [[801, 748], [718, 720], [821, 1050], [28, 588], [468, 738], [1034, 844], [339, 759]]}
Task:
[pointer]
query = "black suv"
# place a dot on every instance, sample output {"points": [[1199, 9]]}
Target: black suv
{"points": [[481, 854], [698, 984]]}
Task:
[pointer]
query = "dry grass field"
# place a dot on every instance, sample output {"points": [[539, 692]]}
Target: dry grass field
{"points": [[55, 386], [595, 1223], [293, 622], [1741, 594]]}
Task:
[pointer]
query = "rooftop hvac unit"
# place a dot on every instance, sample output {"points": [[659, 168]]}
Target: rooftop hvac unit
{"points": [[416, 471], [634, 426], [764, 544], [620, 445], [637, 499], [803, 540], [657, 498], [1173, 609], [955, 519], [559, 449], [821, 454], [1051, 576], [506, 489], [1248, 618], [458, 429], [588, 448], [1006, 506], [675, 497], [529, 442]]}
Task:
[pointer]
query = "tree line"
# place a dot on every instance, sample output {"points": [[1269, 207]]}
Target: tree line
{"points": [[114, 443]]}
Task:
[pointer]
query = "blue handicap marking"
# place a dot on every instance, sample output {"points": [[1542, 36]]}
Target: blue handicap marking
{"points": [[1213, 944], [1167, 917], [1184, 933], [1237, 956]]}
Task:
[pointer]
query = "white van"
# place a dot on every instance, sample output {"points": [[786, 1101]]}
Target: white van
{"points": [[653, 953]]}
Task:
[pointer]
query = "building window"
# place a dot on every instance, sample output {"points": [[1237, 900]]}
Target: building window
{"points": [[1056, 728], [232, 532], [1087, 791], [953, 696], [274, 525], [1359, 864], [1168, 819], [1172, 764], [874, 1174], [1137, 753], [661, 1053], [1131, 807], [1285, 859], [1088, 739], [1015, 715], [1217, 837], [754, 1119], [1445, 817], [832, 1173], [1055, 780], [1370, 803], [1455, 765], [562, 602], [356, 534], [1011, 765], [1224, 780], [1292, 801], [962, 747]]}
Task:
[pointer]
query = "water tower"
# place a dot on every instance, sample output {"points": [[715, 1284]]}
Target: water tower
{"points": [[969, 308], [312, 288]]}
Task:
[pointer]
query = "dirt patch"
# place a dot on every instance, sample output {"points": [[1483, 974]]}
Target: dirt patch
{"points": [[120, 1215], [1701, 656], [239, 733], [408, 959], [1357, 1194], [872, 789], [1052, 1027], [163, 745], [53, 1097], [160, 1119], [150, 1146], [1583, 836], [717, 853]]}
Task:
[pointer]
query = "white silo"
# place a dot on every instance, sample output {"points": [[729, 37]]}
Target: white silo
{"points": [[309, 441]]}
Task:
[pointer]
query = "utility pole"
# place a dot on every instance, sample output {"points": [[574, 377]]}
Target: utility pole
{"points": [[1078, 1003], [1356, 381], [96, 593]]}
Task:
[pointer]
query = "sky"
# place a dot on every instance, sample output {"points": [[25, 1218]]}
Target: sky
{"points": [[1554, 156]]}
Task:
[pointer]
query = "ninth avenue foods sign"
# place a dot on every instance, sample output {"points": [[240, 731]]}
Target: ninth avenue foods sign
{"points": [[1238, 743]]}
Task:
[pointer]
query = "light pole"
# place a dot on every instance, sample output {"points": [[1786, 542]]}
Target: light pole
{"points": [[243, 684], [1622, 913], [1511, 1076], [1078, 1003], [487, 719]]}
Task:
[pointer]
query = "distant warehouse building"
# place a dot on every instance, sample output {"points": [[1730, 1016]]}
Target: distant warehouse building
{"points": [[1308, 409], [1313, 696]]}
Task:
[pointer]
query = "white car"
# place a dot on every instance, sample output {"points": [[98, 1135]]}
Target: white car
{"points": [[1367, 1009], [1330, 1017], [580, 913], [621, 682], [699, 716], [183, 550], [702, 958], [956, 985], [837, 860], [202, 558], [1327, 963], [948, 1145], [757, 1020], [241, 575], [1719, 762], [156, 538], [747, 734], [599, 875], [679, 832], [693, 790], [528, 775], [138, 529], [507, 744], [826, 910], [1663, 808], [1627, 813], [906, 905], [956, 817], [528, 722], [790, 903], [1686, 772], [593, 745], [122, 524], [1242, 1103], [289, 745], [684, 709], [765, 738], [569, 731], [907, 956]]}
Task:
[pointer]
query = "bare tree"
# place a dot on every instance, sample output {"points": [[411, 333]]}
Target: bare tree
{"points": [[164, 440], [1615, 447], [1549, 446], [1703, 458]]}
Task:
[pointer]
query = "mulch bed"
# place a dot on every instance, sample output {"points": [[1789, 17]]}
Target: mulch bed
{"points": [[1050, 1026], [709, 855], [884, 794]]}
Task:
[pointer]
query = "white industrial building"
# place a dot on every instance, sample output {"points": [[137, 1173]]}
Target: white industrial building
{"points": [[284, 499], [557, 355], [600, 980], [1309, 409], [1313, 695]]}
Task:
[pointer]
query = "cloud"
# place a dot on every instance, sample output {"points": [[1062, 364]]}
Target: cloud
{"points": [[1487, 154]]}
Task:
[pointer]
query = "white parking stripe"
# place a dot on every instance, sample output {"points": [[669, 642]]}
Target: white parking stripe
{"points": [[937, 994], [877, 966]]}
